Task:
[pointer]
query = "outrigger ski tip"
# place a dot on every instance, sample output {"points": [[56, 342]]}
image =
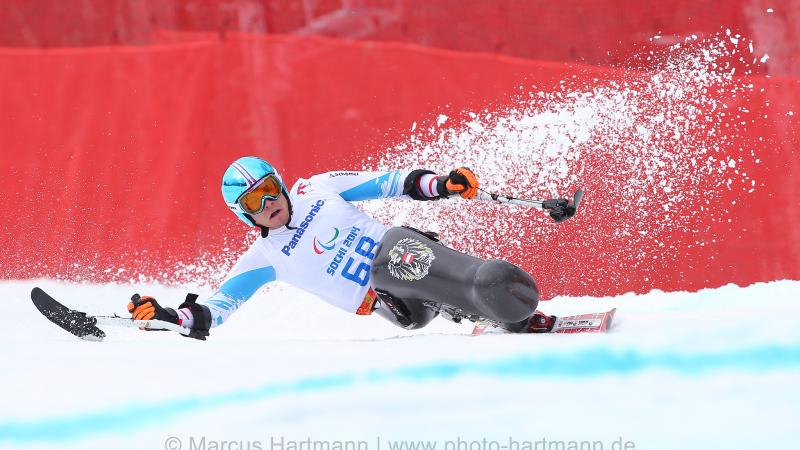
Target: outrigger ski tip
{"points": [[75, 322], [561, 209]]}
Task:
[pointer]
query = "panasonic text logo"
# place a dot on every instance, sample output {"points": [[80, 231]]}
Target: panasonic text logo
{"points": [[301, 229]]}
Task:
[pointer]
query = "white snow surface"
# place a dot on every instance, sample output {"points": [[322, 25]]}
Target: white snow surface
{"points": [[716, 369]]}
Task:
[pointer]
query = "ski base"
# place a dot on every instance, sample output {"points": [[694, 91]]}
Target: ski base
{"points": [[581, 323]]}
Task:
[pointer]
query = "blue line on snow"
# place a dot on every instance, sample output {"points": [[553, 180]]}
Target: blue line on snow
{"points": [[587, 363]]}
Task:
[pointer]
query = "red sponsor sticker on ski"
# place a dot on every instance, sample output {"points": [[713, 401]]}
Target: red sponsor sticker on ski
{"points": [[585, 323]]}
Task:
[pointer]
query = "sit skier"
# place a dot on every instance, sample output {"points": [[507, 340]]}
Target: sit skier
{"points": [[314, 238]]}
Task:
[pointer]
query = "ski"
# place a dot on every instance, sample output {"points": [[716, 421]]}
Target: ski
{"points": [[85, 326], [581, 323], [585, 323]]}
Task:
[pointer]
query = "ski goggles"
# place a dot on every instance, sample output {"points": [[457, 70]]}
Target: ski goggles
{"points": [[254, 199]]}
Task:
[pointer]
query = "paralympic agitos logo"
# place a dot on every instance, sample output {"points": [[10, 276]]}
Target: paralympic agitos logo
{"points": [[319, 247], [301, 229]]}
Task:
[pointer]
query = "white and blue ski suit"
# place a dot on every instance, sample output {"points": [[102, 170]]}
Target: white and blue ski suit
{"points": [[326, 248]]}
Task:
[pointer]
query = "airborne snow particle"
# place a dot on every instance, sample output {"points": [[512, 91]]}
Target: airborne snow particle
{"points": [[661, 139]]}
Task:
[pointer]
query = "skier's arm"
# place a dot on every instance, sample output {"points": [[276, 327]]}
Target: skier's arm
{"points": [[251, 272], [416, 184], [248, 275]]}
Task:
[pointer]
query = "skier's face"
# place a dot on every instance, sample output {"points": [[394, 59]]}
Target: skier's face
{"points": [[274, 215]]}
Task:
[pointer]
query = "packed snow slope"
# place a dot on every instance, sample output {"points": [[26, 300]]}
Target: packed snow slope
{"points": [[717, 369]]}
